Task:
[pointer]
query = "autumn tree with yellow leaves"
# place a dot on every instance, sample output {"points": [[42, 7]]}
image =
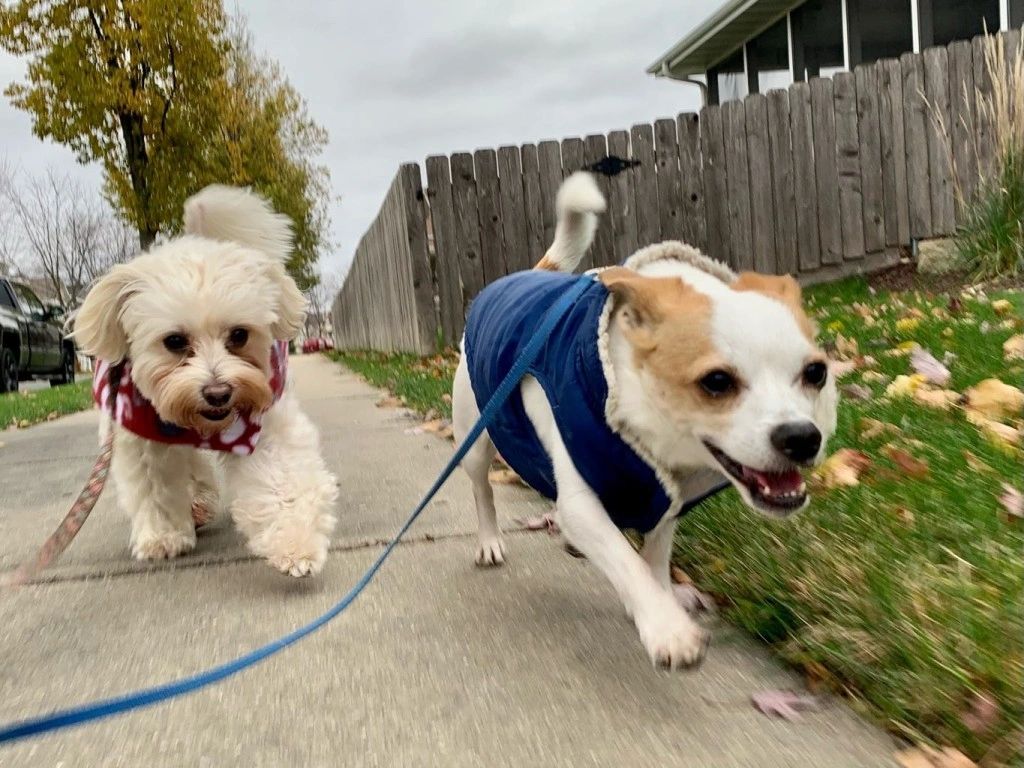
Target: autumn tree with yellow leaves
{"points": [[168, 96]]}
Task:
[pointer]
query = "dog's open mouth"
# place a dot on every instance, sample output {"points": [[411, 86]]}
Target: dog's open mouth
{"points": [[215, 414], [776, 492]]}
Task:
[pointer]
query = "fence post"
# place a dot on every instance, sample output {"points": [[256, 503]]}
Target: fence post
{"points": [[414, 210]]}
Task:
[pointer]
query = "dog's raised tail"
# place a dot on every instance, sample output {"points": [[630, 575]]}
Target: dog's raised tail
{"points": [[577, 204], [241, 216]]}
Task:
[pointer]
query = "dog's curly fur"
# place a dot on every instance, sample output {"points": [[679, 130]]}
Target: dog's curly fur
{"points": [[227, 272]]}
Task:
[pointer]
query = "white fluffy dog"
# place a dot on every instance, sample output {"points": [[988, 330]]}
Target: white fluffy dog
{"points": [[196, 330], [669, 377]]}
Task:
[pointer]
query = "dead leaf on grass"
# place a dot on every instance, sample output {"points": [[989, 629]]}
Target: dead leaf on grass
{"points": [[1002, 435], [679, 576], [940, 399], [905, 516], [975, 463], [907, 324], [869, 429], [924, 363], [926, 757], [981, 714], [1002, 307], [911, 466], [993, 399], [841, 368], [1013, 347], [955, 305], [846, 348], [857, 392], [875, 377], [904, 386], [785, 704], [1013, 501], [842, 468]]}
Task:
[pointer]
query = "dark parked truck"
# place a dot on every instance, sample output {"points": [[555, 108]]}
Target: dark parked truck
{"points": [[32, 339]]}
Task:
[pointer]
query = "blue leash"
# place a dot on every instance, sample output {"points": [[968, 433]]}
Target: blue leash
{"points": [[83, 714]]}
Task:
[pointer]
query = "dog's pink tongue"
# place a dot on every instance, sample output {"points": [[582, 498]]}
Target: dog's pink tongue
{"points": [[775, 483]]}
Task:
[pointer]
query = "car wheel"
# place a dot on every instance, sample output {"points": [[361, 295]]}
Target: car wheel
{"points": [[8, 371], [67, 369]]}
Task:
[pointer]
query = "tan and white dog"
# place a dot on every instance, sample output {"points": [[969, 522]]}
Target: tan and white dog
{"points": [[708, 373], [196, 330]]}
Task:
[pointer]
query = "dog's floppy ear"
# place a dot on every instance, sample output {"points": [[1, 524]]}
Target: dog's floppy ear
{"points": [[783, 288], [647, 300], [98, 329], [290, 304]]}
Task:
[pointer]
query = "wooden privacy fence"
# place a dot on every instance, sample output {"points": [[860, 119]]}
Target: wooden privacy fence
{"points": [[821, 180]]}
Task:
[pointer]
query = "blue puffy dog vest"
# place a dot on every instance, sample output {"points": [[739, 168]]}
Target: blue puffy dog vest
{"points": [[502, 319]]}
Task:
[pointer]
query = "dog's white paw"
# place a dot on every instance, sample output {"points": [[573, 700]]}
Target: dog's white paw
{"points": [[490, 552], [162, 546], [297, 551], [672, 639], [204, 510]]}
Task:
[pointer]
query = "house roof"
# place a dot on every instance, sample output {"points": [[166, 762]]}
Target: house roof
{"points": [[720, 35]]}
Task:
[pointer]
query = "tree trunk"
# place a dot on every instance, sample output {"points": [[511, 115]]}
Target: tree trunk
{"points": [[138, 165]]}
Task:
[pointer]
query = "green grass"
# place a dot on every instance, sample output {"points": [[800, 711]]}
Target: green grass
{"points": [[907, 594], [24, 409], [424, 384]]}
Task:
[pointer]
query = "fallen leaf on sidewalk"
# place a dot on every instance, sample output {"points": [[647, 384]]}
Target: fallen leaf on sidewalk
{"points": [[926, 757], [545, 522], [785, 704], [842, 468], [504, 477], [924, 363], [390, 401]]}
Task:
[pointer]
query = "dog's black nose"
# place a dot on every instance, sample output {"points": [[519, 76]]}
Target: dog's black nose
{"points": [[798, 441], [217, 395]]}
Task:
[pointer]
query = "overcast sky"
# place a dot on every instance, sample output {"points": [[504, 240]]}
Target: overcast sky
{"points": [[395, 81]]}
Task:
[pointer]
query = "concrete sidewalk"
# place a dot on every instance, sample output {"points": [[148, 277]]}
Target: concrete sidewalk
{"points": [[438, 663]]}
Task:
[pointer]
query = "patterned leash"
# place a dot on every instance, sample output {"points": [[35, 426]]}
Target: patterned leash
{"points": [[72, 522]]}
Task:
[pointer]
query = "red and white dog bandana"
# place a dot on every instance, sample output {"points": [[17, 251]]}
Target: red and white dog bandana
{"points": [[136, 414]]}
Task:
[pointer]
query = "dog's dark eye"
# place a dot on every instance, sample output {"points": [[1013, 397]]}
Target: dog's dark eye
{"points": [[718, 383], [176, 342], [815, 374], [238, 337]]}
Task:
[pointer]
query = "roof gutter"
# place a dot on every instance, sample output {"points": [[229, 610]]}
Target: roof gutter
{"points": [[667, 73]]}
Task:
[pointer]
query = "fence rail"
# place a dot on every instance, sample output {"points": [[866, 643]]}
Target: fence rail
{"points": [[822, 180]]}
